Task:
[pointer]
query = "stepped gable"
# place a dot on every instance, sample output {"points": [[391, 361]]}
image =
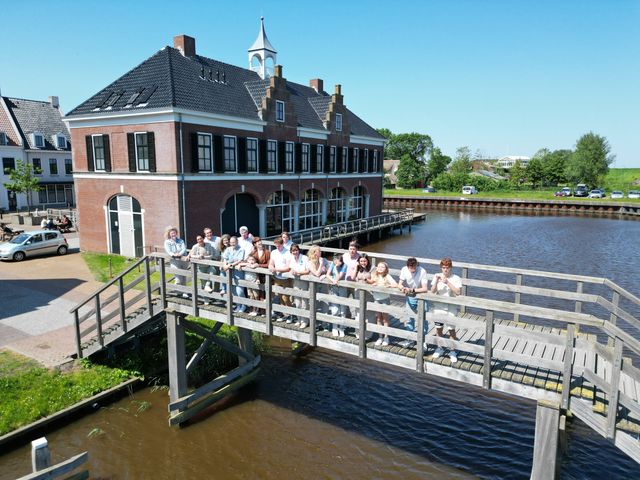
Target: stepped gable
{"points": [[31, 116]]}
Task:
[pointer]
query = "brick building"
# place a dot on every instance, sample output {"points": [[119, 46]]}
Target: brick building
{"points": [[187, 140]]}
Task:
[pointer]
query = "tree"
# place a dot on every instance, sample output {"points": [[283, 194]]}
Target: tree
{"points": [[437, 163], [385, 132], [535, 172], [517, 174], [416, 145], [410, 172], [462, 161], [22, 180], [590, 161], [554, 165]]}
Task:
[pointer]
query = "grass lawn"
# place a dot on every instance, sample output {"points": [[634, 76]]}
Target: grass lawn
{"points": [[98, 264], [30, 391]]}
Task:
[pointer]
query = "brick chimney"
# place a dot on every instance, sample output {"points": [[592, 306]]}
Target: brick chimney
{"points": [[317, 84], [186, 45], [54, 101], [338, 89], [277, 71]]}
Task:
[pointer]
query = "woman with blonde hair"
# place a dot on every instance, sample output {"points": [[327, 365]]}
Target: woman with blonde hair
{"points": [[382, 278], [174, 247]]}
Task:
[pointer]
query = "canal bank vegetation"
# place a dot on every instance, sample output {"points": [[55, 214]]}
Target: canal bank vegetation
{"points": [[421, 163], [31, 392]]}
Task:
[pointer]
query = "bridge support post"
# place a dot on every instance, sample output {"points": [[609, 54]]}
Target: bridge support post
{"points": [[177, 360], [545, 449], [245, 341]]}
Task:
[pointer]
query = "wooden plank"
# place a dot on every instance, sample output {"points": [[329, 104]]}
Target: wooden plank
{"points": [[519, 289], [568, 367], [58, 469], [545, 449], [612, 411], [488, 346], [176, 350]]}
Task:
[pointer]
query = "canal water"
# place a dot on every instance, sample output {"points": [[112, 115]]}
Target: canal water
{"points": [[324, 415]]}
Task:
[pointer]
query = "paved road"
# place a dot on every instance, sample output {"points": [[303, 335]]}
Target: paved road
{"points": [[35, 298]]}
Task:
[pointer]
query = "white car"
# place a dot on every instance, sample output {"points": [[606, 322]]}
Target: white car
{"points": [[34, 243], [617, 194], [469, 190], [596, 193], [633, 194]]}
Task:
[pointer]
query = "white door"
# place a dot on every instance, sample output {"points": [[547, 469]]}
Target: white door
{"points": [[125, 226]]}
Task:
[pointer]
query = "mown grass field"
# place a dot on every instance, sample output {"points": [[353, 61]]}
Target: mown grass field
{"points": [[30, 391], [617, 179]]}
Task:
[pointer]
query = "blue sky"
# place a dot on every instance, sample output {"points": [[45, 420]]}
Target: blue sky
{"points": [[502, 77]]}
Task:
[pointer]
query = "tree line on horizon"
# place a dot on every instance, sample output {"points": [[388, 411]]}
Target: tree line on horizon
{"points": [[423, 163]]}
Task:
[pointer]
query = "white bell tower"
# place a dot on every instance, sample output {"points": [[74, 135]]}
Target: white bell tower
{"points": [[260, 52]]}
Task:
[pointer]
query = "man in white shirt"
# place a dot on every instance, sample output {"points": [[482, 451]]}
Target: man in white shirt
{"points": [[212, 243], [245, 241], [279, 264], [446, 284], [413, 280], [286, 239]]}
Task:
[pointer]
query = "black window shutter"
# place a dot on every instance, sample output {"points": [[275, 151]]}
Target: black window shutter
{"points": [[195, 164], [151, 139], [262, 156], [218, 154], [107, 153], [371, 161], [90, 165], [281, 157], [242, 154], [298, 162], [361, 162], [338, 159], [380, 161], [131, 143], [327, 158], [351, 160], [313, 157]]}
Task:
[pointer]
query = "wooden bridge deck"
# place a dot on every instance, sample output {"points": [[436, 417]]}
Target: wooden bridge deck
{"points": [[584, 345]]}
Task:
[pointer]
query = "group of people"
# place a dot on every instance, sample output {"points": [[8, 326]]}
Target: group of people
{"points": [[63, 224], [240, 255]]}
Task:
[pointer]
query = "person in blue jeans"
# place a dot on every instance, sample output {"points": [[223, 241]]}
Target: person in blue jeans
{"points": [[233, 256], [413, 280]]}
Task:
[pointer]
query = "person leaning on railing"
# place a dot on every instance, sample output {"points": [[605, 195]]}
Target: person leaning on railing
{"points": [[279, 265], [413, 280], [199, 252], [174, 247], [446, 284]]}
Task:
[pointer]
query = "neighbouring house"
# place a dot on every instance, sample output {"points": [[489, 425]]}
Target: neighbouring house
{"points": [[187, 140], [33, 131], [510, 160], [390, 170]]}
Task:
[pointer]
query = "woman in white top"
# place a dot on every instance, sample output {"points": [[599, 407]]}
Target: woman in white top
{"points": [[446, 284], [174, 247], [382, 278], [298, 266]]}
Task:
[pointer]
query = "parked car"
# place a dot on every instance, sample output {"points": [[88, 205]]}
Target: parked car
{"points": [[428, 190], [596, 193], [617, 194], [565, 192], [581, 190], [633, 194], [469, 190], [34, 243]]}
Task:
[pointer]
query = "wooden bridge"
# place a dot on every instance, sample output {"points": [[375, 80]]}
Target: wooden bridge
{"points": [[568, 341]]}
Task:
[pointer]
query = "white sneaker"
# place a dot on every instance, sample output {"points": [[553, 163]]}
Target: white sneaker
{"points": [[453, 356], [289, 319], [207, 288], [438, 353], [379, 341], [184, 295], [253, 313], [334, 332], [206, 302], [303, 325], [385, 342], [341, 332]]}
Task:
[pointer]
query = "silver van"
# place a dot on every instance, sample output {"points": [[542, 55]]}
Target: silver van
{"points": [[34, 243]]}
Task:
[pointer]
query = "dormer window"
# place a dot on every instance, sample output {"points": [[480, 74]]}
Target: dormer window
{"points": [[3, 139], [38, 140], [61, 141], [279, 111], [338, 122]]}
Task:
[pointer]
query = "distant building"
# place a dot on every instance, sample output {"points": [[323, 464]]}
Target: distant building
{"points": [[33, 131], [186, 140], [510, 160]]}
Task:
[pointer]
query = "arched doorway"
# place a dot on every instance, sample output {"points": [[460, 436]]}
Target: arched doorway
{"points": [[125, 226], [240, 210]]}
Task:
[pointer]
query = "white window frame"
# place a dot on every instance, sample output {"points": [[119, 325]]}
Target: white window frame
{"points": [[332, 158], [257, 143], [345, 159], [319, 158], [279, 111], [135, 141], [310, 209], [68, 161], [275, 156], [235, 153], [38, 136], [356, 203], [104, 157], [338, 204], [289, 163], [338, 122], [64, 141], [365, 158], [39, 169], [210, 169], [4, 140], [356, 160], [375, 161], [54, 161], [306, 152]]}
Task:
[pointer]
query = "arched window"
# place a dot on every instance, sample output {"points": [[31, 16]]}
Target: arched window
{"points": [[337, 208], [279, 213], [356, 205], [310, 213]]}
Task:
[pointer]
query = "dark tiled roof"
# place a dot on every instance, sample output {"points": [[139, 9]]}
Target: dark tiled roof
{"points": [[177, 81], [34, 116]]}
